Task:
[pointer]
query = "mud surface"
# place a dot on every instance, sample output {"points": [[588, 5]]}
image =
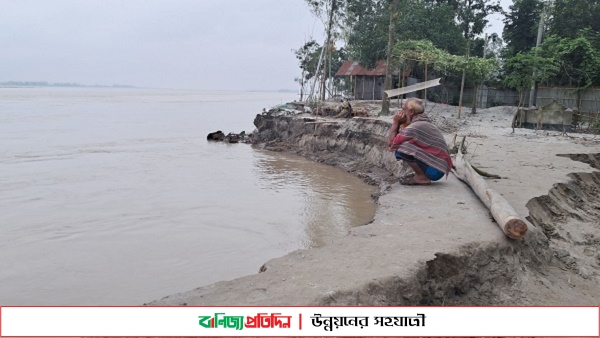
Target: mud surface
{"points": [[438, 245], [569, 216]]}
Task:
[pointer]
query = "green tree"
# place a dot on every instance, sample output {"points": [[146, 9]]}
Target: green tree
{"points": [[337, 58], [520, 68], [478, 70], [331, 13], [578, 60], [472, 19], [366, 31], [433, 21], [324, 9], [422, 52], [448, 24], [569, 17], [308, 57], [472, 15], [521, 26], [367, 24]]}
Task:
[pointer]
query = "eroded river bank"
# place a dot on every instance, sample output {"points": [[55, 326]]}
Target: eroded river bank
{"points": [[438, 245]]}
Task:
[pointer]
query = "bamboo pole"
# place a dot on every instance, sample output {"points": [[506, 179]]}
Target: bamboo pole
{"points": [[374, 84], [425, 98], [462, 82], [505, 216], [327, 53]]}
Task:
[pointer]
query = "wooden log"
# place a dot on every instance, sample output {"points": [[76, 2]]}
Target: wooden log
{"points": [[504, 214]]}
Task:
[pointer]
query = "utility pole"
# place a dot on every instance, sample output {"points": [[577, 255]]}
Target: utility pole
{"points": [[537, 45], [385, 103], [462, 82], [317, 74], [328, 41], [330, 83], [480, 91]]}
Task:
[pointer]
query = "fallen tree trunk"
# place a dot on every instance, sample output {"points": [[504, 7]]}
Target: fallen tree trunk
{"points": [[504, 214]]}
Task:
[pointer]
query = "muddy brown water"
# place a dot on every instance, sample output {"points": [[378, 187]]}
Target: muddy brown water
{"points": [[114, 196]]}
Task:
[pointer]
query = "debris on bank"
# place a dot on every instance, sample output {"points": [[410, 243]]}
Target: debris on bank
{"points": [[341, 109], [230, 138]]}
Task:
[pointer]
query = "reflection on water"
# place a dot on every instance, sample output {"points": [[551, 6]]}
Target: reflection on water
{"points": [[114, 196]]}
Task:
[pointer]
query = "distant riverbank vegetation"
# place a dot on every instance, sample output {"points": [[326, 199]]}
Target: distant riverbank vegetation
{"points": [[554, 43], [58, 84]]}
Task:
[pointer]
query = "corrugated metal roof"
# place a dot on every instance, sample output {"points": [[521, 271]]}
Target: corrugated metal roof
{"points": [[353, 68]]}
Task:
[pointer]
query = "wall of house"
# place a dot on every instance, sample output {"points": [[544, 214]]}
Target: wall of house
{"points": [[369, 87]]}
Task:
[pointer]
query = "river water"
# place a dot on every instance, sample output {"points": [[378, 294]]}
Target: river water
{"points": [[114, 196]]}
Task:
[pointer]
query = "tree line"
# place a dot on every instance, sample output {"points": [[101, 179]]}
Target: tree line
{"points": [[448, 36]]}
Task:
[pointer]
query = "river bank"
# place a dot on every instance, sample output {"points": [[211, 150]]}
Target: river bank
{"points": [[438, 245]]}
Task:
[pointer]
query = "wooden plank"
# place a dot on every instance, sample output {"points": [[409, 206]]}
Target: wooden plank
{"points": [[413, 88]]}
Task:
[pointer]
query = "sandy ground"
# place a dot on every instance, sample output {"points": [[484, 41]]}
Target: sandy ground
{"points": [[439, 245], [532, 170]]}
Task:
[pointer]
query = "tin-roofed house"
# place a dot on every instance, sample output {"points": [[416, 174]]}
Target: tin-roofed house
{"points": [[367, 84]]}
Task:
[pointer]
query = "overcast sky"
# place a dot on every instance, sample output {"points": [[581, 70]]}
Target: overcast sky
{"points": [[192, 44]]}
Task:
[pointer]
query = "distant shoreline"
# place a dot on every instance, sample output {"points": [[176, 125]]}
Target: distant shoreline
{"points": [[35, 84], [41, 84]]}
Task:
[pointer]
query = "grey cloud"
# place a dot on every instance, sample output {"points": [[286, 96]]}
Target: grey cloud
{"points": [[157, 43]]}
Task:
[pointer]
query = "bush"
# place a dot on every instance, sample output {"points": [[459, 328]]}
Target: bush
{"points": [[433, 97], [496, 103]]}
